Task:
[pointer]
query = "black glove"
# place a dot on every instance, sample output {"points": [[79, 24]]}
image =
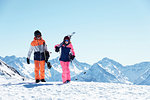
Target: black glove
{"points": [[72, 57], [49, 65], [28, 61], [47, 56], [56, 49]]}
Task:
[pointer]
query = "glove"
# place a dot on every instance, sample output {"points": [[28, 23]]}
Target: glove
{"points": [[56, 49], [72, 57], [28, 61], [49, 65], [47, 56]]}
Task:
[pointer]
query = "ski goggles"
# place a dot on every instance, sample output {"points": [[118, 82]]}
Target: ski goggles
{"points": [[66, 40], [38, 35]]}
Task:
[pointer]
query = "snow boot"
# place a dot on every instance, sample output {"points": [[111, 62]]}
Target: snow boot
{"points": [[37, 81], [68, 81], [43, 80]]}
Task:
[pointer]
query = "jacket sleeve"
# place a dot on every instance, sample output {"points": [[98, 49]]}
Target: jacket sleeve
{"points": [[72, 50], [45, 46], [30, 51], [57, 45]]}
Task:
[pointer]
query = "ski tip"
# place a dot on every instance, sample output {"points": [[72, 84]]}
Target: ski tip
{"points": [[73, 32]]}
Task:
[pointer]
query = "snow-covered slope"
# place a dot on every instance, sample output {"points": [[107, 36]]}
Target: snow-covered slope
{"points": [[14, 90], [106, 70], [96, 74], [143, 79], [113, 68], [134, 74], [26, 70], [20, 65], [9, 72], [138, 72], [79, 66]]}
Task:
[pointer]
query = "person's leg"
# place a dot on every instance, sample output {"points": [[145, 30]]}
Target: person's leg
{"points": [[64, 75], [42, 69], [37, 68], [68, 71]]}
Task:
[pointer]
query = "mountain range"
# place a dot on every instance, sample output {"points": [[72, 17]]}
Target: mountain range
{"points": [[105, 70]]}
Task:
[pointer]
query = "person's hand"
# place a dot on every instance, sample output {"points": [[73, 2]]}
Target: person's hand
{"points": [[49, 65], [56, 49], [72, 57], [28, 61]]}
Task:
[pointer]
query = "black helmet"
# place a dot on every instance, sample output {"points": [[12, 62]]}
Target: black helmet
{"points": [[37, 33]]}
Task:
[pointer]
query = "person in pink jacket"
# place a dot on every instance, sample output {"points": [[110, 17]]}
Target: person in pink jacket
{"points": [[67, 54]]}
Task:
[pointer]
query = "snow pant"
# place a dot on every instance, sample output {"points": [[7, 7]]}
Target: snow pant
{"points": [[39, 66], [65, 71]]}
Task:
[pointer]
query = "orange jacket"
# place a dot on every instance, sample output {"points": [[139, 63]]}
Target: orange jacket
{"points": [[38, 47]]}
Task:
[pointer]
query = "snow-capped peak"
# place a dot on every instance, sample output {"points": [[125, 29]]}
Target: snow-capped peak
{"points": [[9, 71]]}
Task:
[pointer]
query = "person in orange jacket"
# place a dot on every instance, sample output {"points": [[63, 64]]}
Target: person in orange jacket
{"points": [[38, 46]]}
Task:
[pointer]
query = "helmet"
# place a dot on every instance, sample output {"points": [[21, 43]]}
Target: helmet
{"points": [[37, 33]]}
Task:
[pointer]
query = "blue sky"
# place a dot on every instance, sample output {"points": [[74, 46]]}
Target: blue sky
{"points": [[117, 29]]}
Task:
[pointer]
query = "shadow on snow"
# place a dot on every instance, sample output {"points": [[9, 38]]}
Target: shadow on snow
{"points": [[32, 85]]}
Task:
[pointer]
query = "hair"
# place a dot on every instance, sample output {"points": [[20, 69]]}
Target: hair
{"points": [[67, 38]]}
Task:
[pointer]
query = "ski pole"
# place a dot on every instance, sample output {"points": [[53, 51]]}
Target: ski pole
{"points": [[49, 73], [76, 62], [49, 67], [74, 70], [78, 65]]}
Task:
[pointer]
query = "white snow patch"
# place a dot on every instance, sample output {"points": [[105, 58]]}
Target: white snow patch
{"points": [[19, 90]]}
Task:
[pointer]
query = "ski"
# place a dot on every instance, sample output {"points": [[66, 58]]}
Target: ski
{"points": [[47, 55], [74, 71], [49, 66], [71, 34], [69, 37]]}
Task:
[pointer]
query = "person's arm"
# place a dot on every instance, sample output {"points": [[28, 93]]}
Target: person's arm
{"points": [[57, 47], [72, 56], [29, 54], [72, 50], [45, 46], [30, 51]]}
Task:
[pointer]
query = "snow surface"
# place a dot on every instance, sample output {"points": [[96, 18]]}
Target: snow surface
{"points": [[12, 89]]}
